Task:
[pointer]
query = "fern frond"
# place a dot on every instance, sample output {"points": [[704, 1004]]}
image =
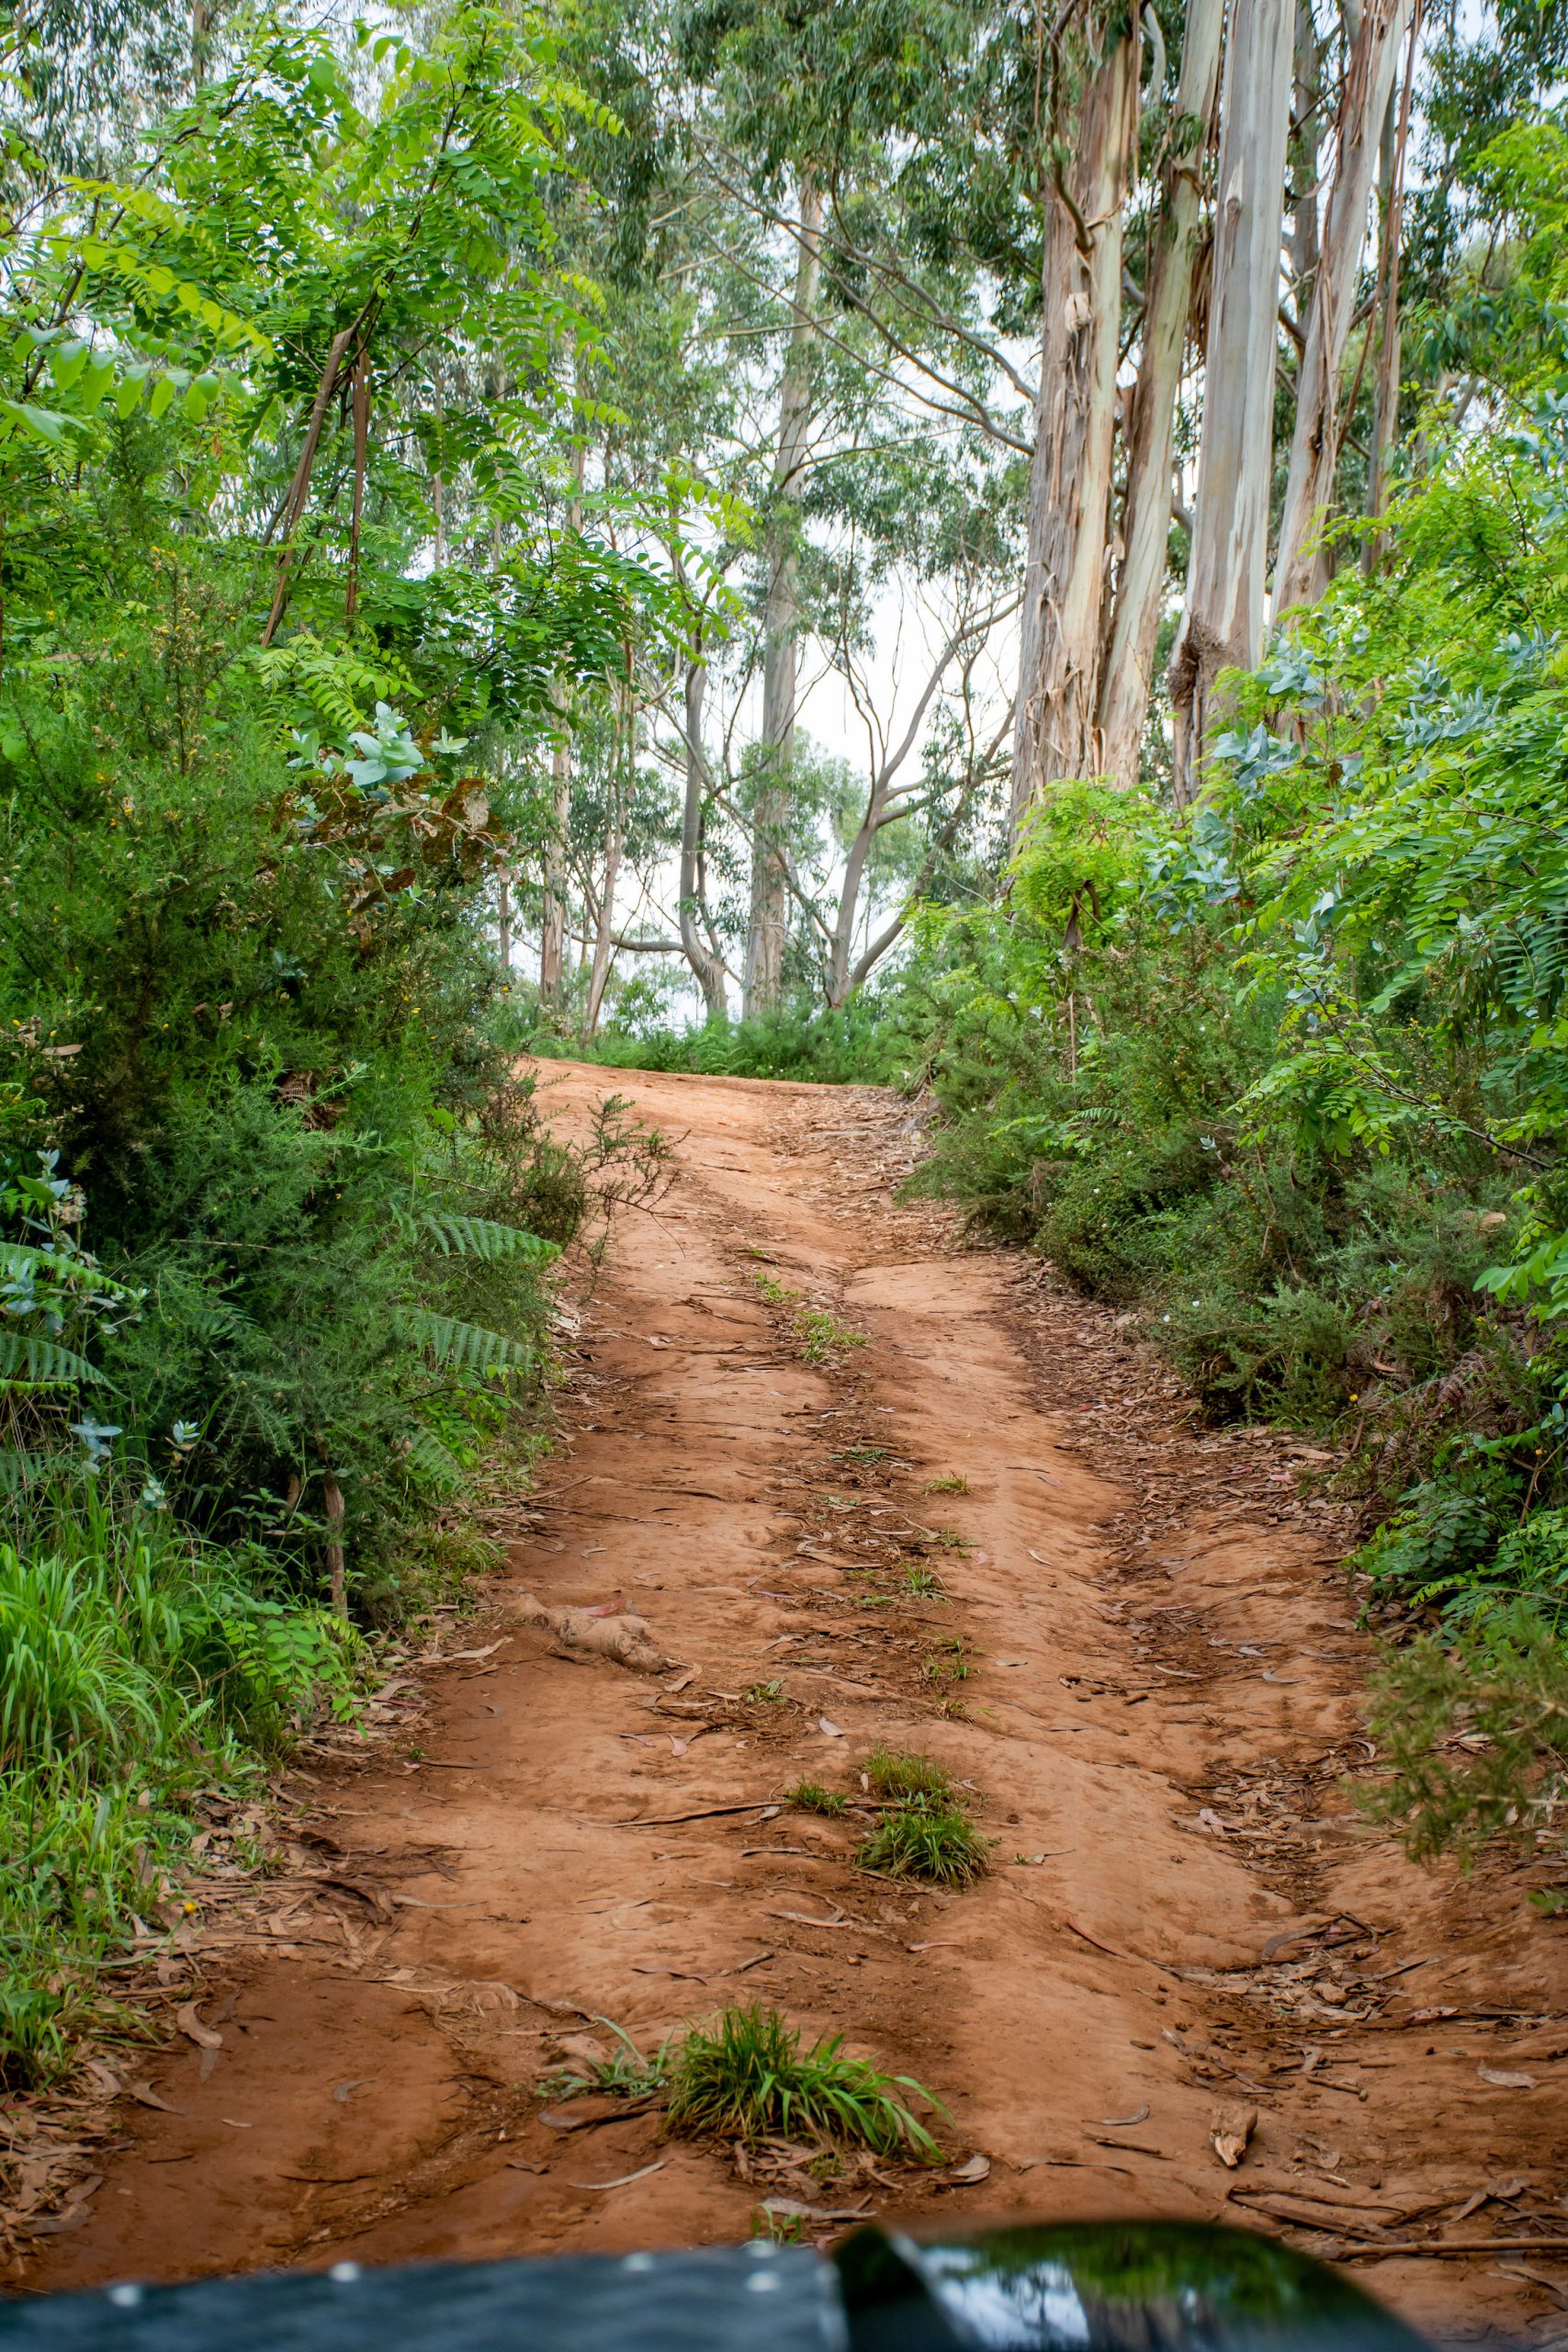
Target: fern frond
{"points": [[481, 1236], [468, 1346], [433, 1461], [82, 1272], [39, 1363]]}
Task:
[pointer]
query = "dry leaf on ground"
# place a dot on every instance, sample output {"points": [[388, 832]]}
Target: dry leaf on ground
{"points": [[190, 2023], [1230, 2130]]}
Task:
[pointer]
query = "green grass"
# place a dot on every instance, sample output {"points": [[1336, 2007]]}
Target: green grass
{"points": [[921, 1583], [899, 1778], [810, 1796], [765, 1693], [627, 2073], [954, 1483], [774, 1292], [823, 1336], [936, 1842], [136, 1667], [747, 2076]]}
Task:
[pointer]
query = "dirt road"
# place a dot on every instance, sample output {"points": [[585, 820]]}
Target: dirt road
{"points": [[1127, 1634]]}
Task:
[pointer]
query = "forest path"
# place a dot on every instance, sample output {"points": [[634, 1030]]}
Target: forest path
{"points": [[1156, 1710]]}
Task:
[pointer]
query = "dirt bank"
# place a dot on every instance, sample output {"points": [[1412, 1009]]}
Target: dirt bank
{"points": [[1129, 1636]]}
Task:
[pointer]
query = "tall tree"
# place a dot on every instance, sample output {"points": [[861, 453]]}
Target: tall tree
{"points": [[1095, 84], [1302, 568], [782, 623], [1145, 522], [1222, 623]]}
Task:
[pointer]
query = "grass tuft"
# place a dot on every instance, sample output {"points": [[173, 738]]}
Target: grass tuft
{"points": [[746, 2076], [936, 1842], [902, 1778], [810, 1796], [954, 1483]]}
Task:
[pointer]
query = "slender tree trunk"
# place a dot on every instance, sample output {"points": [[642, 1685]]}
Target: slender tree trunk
{"points": [[780, 627], [707, 967], [1302, 569], [503, 926], [1056, 731], [1222, 624], [1145, 527], [1306, 139], [337, 1584], [605, 930], [1391, 174], [552, 943]]}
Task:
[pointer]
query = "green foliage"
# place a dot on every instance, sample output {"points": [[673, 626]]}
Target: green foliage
{"points": [[810, 1796], [938, 1843], [747, 2076], [136, 1665], [1473, 1735], [627, 2073], [857, 1045], [901, 1779]]}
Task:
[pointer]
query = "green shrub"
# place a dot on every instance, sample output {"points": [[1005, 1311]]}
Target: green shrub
{"points": [[1473, 1735]]}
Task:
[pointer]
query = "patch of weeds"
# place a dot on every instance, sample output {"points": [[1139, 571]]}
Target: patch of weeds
{"points": [[627, 2073], [782, 2229], [921, 1583], [769, 1692], [902, 1778], [746, 2076], [823, 1336], [947, 1662], [936, 1842], [861, 1453], [810, 1796], [953, 1484], [772, 1290], [949, 1540]]}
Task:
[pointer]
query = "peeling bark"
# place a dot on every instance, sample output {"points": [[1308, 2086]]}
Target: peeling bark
{"points": [[1058, 732], [1145, 527], [1222, 626], [1302, 570]]}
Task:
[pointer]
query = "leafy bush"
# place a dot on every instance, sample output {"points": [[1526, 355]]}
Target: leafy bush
{"points": [[1474, 1739]]}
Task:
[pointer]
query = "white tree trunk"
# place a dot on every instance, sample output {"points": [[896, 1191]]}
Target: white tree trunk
{"points": [[1222, 624], [781, 627], [1302, 568], [1056, 731], [1145, 524], [1385, 422]]}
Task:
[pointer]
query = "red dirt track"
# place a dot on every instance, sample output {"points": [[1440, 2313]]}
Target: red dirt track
{"points": [[1157, 1713]]}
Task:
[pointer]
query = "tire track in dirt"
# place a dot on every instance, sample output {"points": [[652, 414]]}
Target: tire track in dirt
{"points": [[1145, 1665]]}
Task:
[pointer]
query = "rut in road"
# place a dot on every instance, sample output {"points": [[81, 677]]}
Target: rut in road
{"points": [[1145, 1664]]}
